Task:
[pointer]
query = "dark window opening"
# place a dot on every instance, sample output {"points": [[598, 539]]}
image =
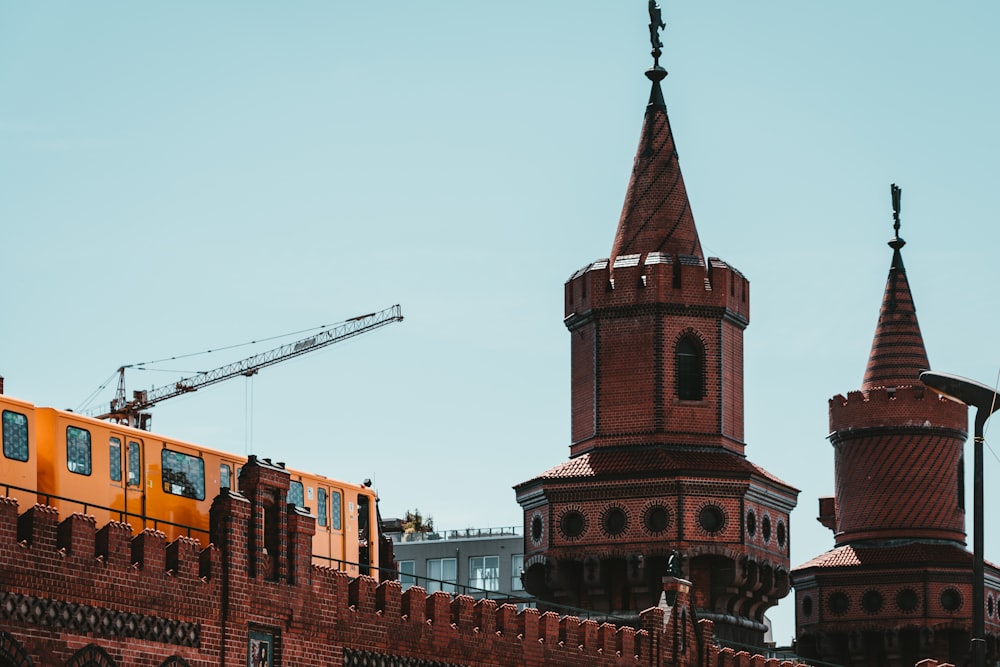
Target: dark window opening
{"points": [[115, 459], [536, 528], [657, 519], [615, 521], [712, 519], [296, 494], [572, 524], [15, 436], [134, 464], [690, 374], [321, 506], [183, 474], [871, 601], [364, 521], [907, 599], [78, 450]]}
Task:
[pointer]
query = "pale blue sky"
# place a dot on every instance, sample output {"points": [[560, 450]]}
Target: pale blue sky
{"points": [[181, 176]]}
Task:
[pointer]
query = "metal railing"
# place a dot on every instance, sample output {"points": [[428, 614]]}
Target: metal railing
{"points": [[123, 516], [464, 534], [431, 585]]}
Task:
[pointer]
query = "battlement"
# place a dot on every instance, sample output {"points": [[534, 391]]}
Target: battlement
{"points": [[658, 278], [896, 407], [82, 550], [100, 586]]}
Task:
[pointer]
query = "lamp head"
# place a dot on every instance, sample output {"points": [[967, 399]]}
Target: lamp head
{"points": [[963, 390]]}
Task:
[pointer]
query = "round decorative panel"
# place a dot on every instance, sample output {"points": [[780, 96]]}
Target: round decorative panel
{"points": [[614, 521], [656, 519], [838, 603], [871, 601], [572, 524], [711, 518], [907, 599]]}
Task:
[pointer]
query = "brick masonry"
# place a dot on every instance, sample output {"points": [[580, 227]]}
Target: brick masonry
{"points": [[73, 593]]}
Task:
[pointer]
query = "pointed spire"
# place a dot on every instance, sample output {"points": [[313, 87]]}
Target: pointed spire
{"points": [[657, 214], [898, 354]]}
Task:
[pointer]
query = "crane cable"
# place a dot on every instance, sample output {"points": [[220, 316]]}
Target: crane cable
{"points": [[138, 366]]}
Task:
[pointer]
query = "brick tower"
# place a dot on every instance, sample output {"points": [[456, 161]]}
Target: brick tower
{"points": [[656, 459], [898, 585]]}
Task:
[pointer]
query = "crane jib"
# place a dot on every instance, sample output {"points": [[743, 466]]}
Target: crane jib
{"points": [[128, 411]]}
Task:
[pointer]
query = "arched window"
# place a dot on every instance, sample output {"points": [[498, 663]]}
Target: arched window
{"points": [[91, 656], [690, 370], [12, 654], [174, 661]]}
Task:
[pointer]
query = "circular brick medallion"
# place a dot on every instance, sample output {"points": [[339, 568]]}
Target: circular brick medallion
{"points": [[656, 519], [711, 518], [907, 599], [572, 524], [951, 599], [872, 601], [614, 521], [838, 603]]}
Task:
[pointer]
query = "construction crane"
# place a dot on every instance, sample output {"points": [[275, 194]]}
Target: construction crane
{"points": [[134, 413]]}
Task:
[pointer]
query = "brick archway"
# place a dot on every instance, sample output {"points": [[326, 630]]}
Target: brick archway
{"points": [[91, 656], [12, 654]]}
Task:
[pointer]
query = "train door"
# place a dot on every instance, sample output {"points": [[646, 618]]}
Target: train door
{"points": [[229, 475], [323, 539], [135, 489], [364, 534], [125, 455]]}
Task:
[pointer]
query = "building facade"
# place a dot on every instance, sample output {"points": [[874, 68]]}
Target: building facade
{"points": [[898, 584], [479, 562]]}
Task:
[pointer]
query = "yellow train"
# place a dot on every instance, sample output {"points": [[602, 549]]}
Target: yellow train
{"points": [[79, 464]]}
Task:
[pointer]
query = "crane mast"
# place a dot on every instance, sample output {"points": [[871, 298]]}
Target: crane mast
{"points": [[133, 412]]}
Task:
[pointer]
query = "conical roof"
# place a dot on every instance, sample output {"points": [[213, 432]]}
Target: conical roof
{"points": [[898, 354], [656, 215]]}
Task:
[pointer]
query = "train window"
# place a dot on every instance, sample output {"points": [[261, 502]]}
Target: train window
{"points": [[296, 496], [134, 464], [335, 510], [15, 436], [225, 476], [78, 450], [115, 459], [321, 506], [183, 474]]}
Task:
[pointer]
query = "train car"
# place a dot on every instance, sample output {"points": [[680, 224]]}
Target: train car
{"points": [[113, 472]]}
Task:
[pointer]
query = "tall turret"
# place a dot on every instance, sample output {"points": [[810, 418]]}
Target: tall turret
{"points": [[897, 587], [656, 458]]}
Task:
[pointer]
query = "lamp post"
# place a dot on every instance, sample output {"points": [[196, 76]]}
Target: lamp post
{"points": [[986, 401]]}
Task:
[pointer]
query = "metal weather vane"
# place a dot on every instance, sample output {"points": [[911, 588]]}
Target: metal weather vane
{"points": [[655, 25], [896, 195]]}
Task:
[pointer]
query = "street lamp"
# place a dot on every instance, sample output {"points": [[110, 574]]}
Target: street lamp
{"points": [[986, 401]]}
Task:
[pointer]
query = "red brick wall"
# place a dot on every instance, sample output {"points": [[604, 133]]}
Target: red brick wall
{"points": [[68, 585]]}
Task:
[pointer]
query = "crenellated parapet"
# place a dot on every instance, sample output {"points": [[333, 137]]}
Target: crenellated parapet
{"points": [[69, 582], [656, 278], [896, 407]]}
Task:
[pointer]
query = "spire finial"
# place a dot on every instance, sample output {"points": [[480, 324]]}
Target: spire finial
{"points": [[896, 243], [655, 73]]}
